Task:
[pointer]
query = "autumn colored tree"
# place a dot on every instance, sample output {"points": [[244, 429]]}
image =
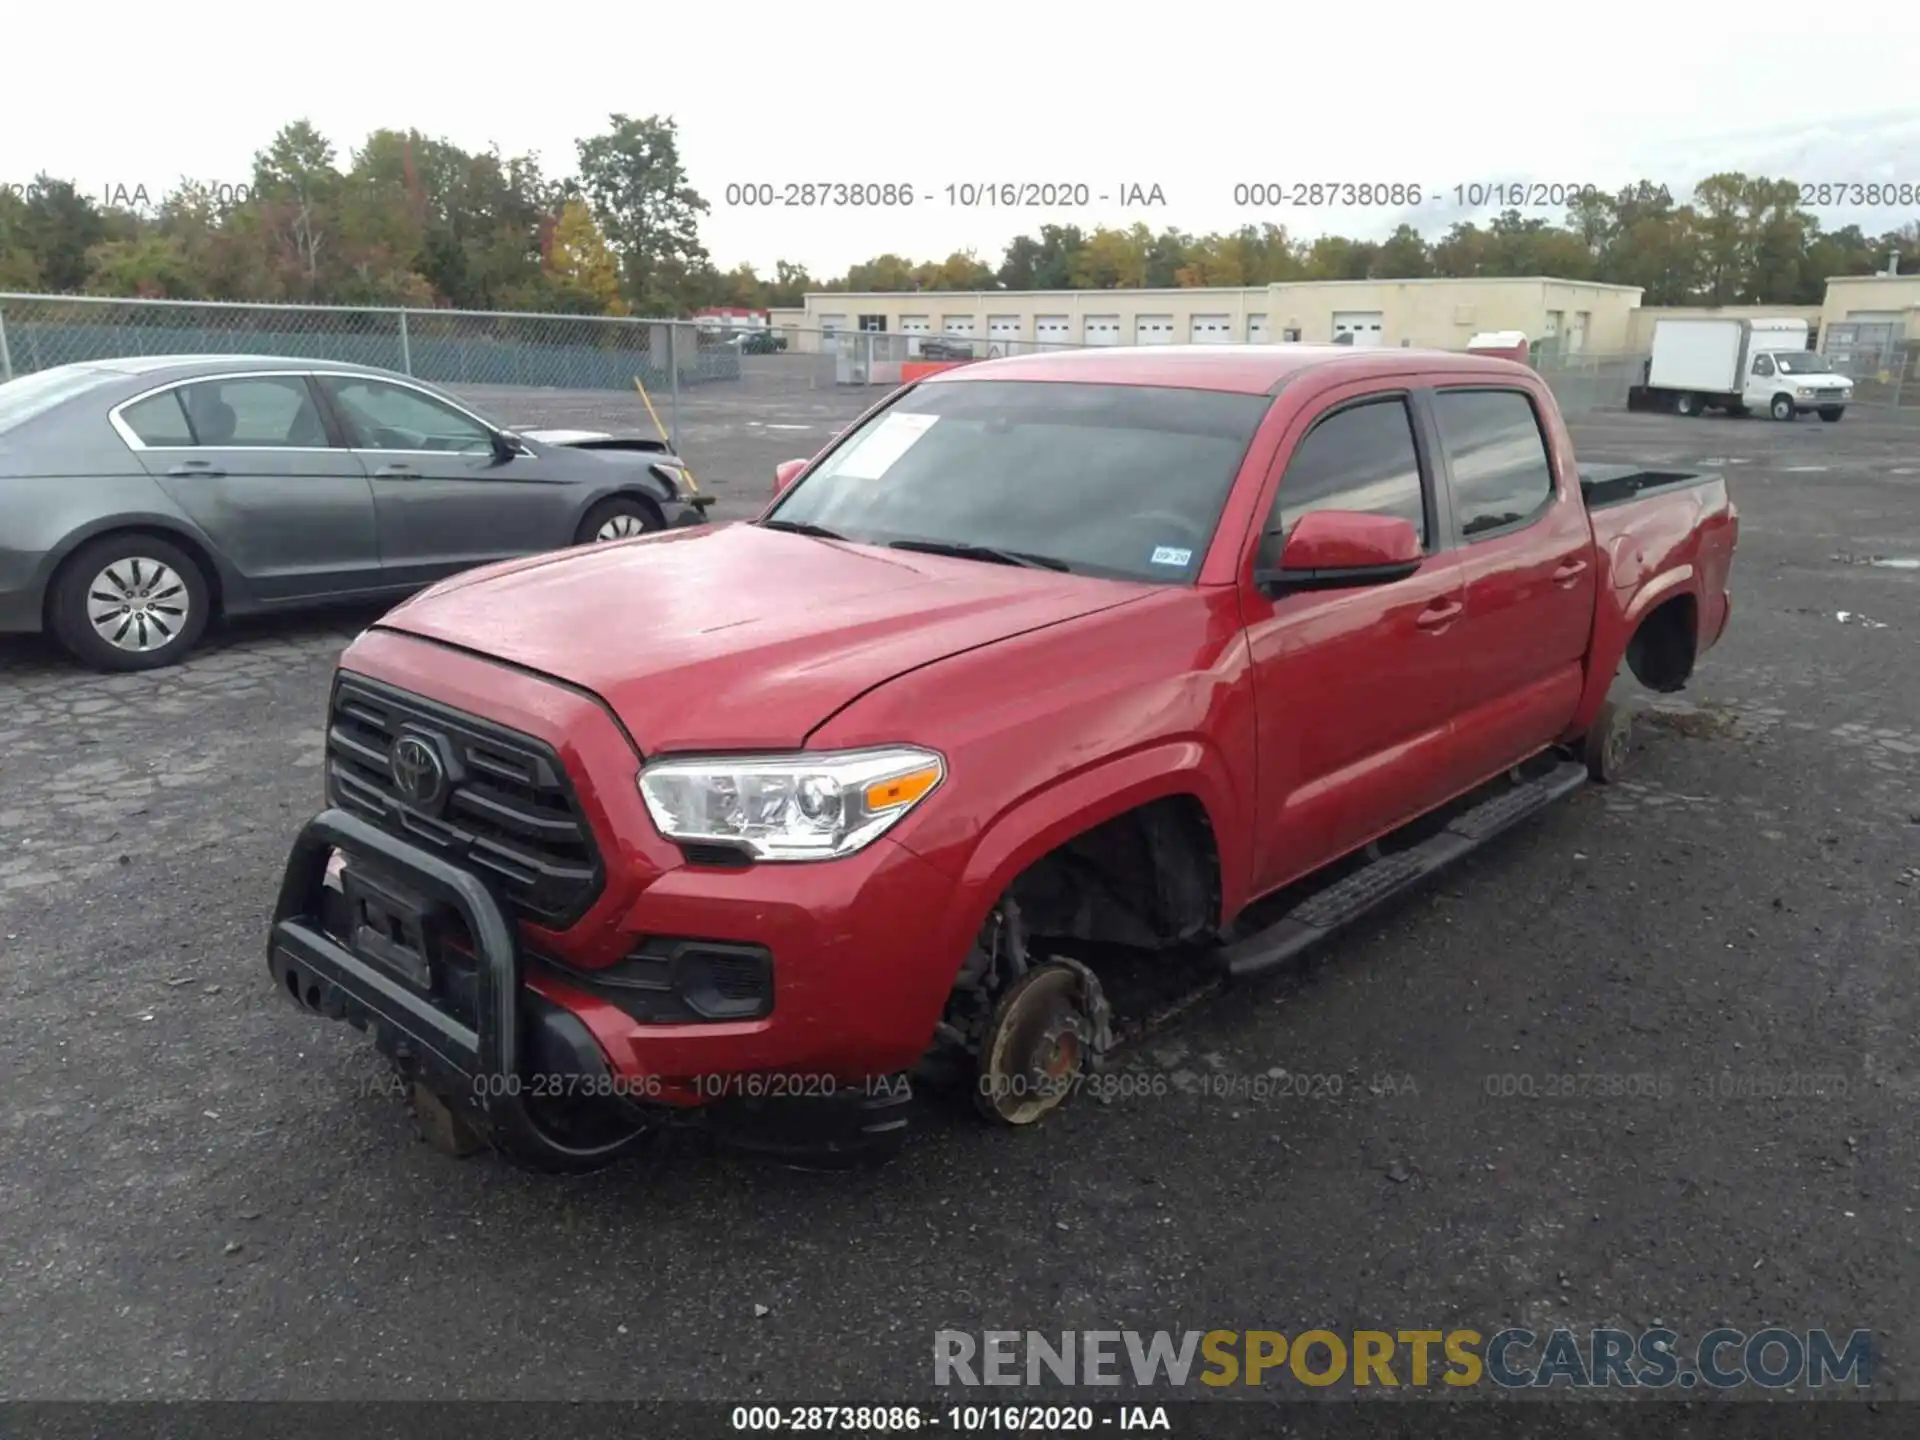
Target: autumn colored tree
{"points": [[586, 275]]}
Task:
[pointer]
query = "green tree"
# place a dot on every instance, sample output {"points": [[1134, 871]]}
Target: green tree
{"points": [[57, 227], [638, 187]]}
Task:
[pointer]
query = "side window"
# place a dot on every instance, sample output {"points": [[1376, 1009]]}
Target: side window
{"points": [[396, 417], [253, 411], [1501, 473], [158, 420], [1360, 458], [1763, 365]]}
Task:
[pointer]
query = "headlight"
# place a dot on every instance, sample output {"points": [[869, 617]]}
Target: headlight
{"points": [[1805, 394], [790, 807]]}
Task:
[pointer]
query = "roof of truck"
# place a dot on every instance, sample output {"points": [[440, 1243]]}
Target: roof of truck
{"points": [[1247, 369]]}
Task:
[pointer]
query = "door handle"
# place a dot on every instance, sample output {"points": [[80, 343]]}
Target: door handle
{"points": [[1439, 614], [196, 467], [1568, 571], [396, 472]]}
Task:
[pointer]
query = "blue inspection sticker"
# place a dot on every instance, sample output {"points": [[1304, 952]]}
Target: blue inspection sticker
{"points": [[1169, 555]]}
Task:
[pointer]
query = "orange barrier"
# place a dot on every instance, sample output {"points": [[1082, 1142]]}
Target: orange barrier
{"points": [[912, 370]]}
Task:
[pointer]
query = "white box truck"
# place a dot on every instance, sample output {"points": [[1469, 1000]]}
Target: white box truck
{"points": [[1707, 363]]}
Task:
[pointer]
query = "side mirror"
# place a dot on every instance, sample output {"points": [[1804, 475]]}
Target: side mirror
{"points": [[506, 445], [785, 472], [1340, 549]]}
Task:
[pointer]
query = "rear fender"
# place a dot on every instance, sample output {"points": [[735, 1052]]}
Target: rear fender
{"points": [[1620, 615]]}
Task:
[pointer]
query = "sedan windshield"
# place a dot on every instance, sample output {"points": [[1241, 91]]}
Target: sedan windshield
{"points": [[30, 396], [1123, 481], [1807, 364]]}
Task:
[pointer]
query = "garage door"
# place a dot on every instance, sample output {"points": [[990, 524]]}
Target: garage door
{"points": [[1153, 330], [1364, 325], [1213, 329], [1053, 329], [831, 327], [1256, 329], [1003, 334], [957, 325], [916, 324], [1104, 330]]}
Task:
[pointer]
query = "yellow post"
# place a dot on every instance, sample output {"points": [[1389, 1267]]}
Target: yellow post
{"points": [[647, 401]]}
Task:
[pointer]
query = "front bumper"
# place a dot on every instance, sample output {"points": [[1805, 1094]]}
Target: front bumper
{"points": [[479, 1064]]}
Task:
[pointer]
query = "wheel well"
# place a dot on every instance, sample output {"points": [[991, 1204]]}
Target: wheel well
{"points": [[194, 550], [1661, 653], [1148, 878]]}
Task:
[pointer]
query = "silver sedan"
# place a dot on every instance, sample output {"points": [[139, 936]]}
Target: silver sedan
{"points": [[141, 498]]}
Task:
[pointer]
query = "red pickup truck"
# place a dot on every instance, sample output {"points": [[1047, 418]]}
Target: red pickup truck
{"points": [[1196, 653]]}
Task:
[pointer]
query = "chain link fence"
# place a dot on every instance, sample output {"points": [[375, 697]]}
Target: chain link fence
{"points": [[446, 347], [1882, 362], [698, 370]]}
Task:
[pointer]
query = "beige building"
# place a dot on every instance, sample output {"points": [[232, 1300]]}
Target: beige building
{"points": [[1438, 313], [1871, 300]]}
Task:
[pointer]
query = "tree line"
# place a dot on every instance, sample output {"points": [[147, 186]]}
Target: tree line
{"points": [[410, 220]]}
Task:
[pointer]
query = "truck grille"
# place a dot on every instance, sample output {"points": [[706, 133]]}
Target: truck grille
{"points": [[493, 800]]}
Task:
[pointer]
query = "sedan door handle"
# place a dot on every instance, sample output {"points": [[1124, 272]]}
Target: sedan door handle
{"points": [[1438, 614], [196, 467], [1568, 571], [396, 472]]}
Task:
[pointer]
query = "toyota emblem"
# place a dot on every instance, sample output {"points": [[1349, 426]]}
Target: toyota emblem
{"points": [[417, 772]]}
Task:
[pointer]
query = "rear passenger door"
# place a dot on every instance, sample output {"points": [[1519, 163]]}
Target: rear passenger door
{"points": [[1527, 548], [250, 458], [1355, 689]]}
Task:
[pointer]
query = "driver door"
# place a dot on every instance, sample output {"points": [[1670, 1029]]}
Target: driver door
{"points": [[443, 500], [1761, 380]]}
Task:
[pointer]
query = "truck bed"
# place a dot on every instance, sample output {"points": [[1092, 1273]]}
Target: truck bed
{"points": [[1604, 486]]}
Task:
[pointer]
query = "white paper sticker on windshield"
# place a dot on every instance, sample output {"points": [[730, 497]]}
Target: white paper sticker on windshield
{"points": [[1168, 555], [884, 445]]}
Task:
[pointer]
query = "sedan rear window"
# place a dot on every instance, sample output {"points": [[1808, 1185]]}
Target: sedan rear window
{"points": [[1125, 481], [30, 396]]}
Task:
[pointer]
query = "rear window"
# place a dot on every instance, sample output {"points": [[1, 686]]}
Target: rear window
{"points": [[1124, 481], [28, 397]]}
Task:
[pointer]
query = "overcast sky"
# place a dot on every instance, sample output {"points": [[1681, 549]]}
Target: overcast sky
{"points": [[1193, 99]]}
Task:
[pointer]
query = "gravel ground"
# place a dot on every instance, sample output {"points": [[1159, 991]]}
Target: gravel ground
{"points": [[204, 1194]]}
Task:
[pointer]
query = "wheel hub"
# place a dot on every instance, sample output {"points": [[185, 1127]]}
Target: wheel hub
{"points": [[1048, 1033]]}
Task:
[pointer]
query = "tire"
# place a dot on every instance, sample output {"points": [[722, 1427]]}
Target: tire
{"points": [[1688, 405], [619, 517], [1609, 741], [1782, 408], [165, 603], [1832, 413]]}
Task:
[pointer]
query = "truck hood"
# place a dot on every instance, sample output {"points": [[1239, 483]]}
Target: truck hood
{"points": [[736, 637]]}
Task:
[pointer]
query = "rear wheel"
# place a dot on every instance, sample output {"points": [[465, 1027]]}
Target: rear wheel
{"points": [[1688, 405], [1782, 407], [619, 517], [1609, 742], [129, 602], [1831, 413]]}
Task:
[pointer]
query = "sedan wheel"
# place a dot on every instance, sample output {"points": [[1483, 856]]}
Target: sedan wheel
{"points": [[138, 604], [620, 527], [129, 602], [619, 517]]}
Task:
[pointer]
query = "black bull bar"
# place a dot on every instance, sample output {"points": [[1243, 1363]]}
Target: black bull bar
{"points": [[478, 1067]]}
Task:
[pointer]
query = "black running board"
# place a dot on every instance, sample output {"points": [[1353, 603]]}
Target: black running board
{"points": [[1331, 910]]}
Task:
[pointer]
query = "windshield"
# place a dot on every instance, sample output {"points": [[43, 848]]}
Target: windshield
{"points": [[30, 396], [1799, 363], [1123, 481]]}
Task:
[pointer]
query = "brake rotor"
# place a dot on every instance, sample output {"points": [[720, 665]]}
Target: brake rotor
{"points": [[1050, 1031]]}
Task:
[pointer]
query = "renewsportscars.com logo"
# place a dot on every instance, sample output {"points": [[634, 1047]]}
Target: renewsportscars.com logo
{"points": [[1511, 1359]]}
